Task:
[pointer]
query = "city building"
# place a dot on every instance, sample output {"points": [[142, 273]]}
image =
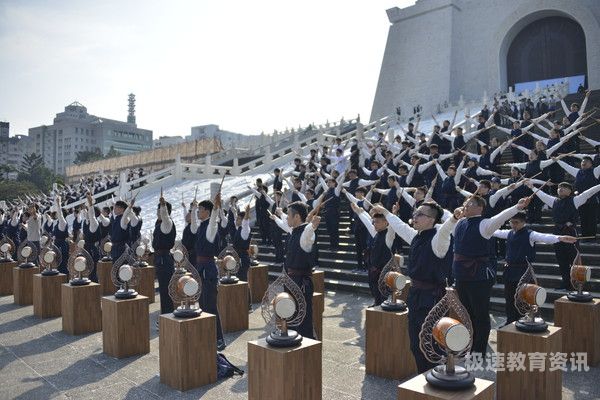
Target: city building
{"points": [[438, 50], [76, 130], [166, 141], [228, 139], [12, 149]]}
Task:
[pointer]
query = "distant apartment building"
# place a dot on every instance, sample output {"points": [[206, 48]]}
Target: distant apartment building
{"points": [[12, 149], [75, 130], [166, 141]]}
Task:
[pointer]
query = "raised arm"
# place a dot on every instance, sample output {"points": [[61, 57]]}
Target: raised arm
{"points": [[569, 169], [582, 198]]}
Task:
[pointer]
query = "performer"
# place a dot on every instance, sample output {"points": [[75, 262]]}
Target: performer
{"points": [[472, 269], [118, 228], [428, 266], [61, 233], [520, 248], [32, 225], [134, 227], [379, 248], [92, 233], [359, 230], [163, 240], [241, 241], [564, 215], [204, 227]]}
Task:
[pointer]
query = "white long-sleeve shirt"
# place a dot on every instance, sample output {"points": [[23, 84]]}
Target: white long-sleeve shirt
{"points": [[366, 220], [578, 200], [211, 229], [534, 236], [166, 223], [573, 171], [488, 226], [440, 243]]}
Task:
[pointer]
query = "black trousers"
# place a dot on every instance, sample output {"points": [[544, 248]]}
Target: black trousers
{"points": [[305, 328], [360, 247], [512, 314], [263, 226], [534, 210], [332, 223], [587, 216], [276, 238], [475, 296], [208, 298], [565, 255], [164, 271], [374, 285], [419, 302]]}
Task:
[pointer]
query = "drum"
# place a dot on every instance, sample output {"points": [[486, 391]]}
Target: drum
{"points": [[284, 305], [187, 286], [581, 273], [395, 280], [532, 294], [451, 334]]}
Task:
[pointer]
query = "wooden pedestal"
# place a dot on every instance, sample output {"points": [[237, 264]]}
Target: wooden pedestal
{"points": [[187, 348], [232, 303], [580, 323], [387, 346], [146, 285], [6, 277], [318, 279], [544, 384], [318, 307], [125, 326], [258, 281], [23, 285], [417, 388], [293, 373], [104, 271], [80, 309], [46, 295]]}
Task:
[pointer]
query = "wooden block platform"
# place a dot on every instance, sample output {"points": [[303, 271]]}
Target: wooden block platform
{"points": [[258, 281], [545, 384], [125, 326], [47, 294], [80, 309], [581, 327], [318, 279], [232, 303], [104, 271], [293, 373], [417, 388], [187, 348], [145, 286], [387, 345], [23, 285], [6, 278], [318, 306]]}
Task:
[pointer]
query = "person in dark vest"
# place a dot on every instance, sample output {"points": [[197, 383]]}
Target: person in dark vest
{"points": [[163, 240], [61, 233], [565, 216], [575, 111], [277, 181], [188, 240], [358, 229], [232, 212], [299, 260], [134, 225], [274, 232], [204, 227], [585, 178], [92, 233], [118, 228], [241, 242], [76, 225], [520, 249], [516, 134], [429, 261], [332, 209], [472, 268], [379, 248]]}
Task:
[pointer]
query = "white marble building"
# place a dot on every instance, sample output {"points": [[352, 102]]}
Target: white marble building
{"points": [[438, 50]]}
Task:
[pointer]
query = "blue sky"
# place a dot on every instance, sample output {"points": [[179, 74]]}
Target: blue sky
{"points": [[249, 66]]}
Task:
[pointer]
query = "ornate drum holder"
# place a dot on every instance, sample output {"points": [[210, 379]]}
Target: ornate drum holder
{"points": [[50, 257], [530, 322], [120, 278], [448, 375], [105, 248], [7, 249], [80, 267], [580, 274], [185, 285], [226, 259], [283, 289], [25, 260], [391, 282]]}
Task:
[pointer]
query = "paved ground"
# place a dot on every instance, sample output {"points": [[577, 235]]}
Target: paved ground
{"points": [[39, 361]]}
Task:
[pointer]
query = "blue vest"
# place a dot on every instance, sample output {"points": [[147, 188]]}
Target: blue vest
{"points": [[163, 242], [423, 264], [584, 180], [563, 211], [518, 251], [118, 235], [332, 205], [471, 252], [353, 186], [391, 199], [204, 248], [134, 232], [379, 252], [241, 244], [459, 142], [295, 257], [187, 238], [60, 236]]}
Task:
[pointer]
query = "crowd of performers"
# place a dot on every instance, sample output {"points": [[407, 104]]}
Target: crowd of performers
{"points": [[422, 193]]}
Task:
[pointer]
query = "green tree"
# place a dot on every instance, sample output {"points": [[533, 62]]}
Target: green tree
{"points": [[33, 170], [112, 152], [6, 169], [10, 190], [82, 157], [31, 164]]}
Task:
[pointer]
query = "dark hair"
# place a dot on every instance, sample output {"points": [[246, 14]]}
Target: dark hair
{"points": [[276, 170], [521, 216], [485, 183], [299, 208], [479, 201], [378, 215], [242, 214], [566, 185], [361, 189], [168, 205], [587, 158], [206, 204], [136, 210], [438, 209], [121, 204]]}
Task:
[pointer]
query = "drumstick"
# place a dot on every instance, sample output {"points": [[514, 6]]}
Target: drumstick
{"points": [[221, 185], [196, 193], [538, 189], [586, 237]]}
